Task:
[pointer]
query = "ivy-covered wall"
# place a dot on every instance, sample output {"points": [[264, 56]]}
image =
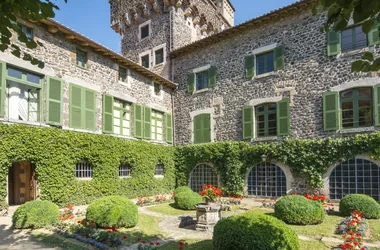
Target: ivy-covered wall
{"points": [[309, 158], [54, 152]]}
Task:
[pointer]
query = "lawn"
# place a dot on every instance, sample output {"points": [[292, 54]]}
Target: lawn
{"points": [[51, 240], [170, 209], [374, 226]]}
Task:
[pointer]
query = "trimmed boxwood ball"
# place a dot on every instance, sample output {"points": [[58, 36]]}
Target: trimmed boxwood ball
{"points": [[115, 211], [35, 214], [252, 231], [297, 210], [182, 189], [360, 202], [187, 200]]}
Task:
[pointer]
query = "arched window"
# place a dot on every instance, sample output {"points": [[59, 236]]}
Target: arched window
{"points": [[266, 179], [202, 174], [356, 176], [83, 170]]}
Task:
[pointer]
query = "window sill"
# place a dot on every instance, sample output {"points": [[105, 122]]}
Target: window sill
{"points": [[11, 121], [355, 52], [125, 84], [80, 130], [145, 38], [357, 130], [201, 91], [269, 138], [159, 176], [264, 75], [125, 177], [84, 179], [121, 136], [81, 67], [158, 65]]}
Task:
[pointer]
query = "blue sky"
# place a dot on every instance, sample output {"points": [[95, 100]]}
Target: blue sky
{"points": [[92, 18]]}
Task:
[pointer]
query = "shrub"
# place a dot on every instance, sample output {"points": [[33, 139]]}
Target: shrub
{"points": [[367, 205], [297, 210], [252, 231], [35, 214], [182, 189], [187, 200], [114, 211]]}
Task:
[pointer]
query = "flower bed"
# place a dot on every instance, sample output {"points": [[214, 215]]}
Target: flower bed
{"points": [[329, 207], [154, 200], [144, 245], [353, 229], [232, 200]]}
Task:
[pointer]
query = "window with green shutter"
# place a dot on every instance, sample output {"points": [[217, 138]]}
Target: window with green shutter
{"points": [[157, 129], [169, 128], [353, 38], [202, 128], [283, 117], [82, 108], [147, 123], [107, 113], [266, 120], [138, 121], [356, 107], [249, 66], [333, 43], [121, 117], [266, 62], [2, 86], [202, 80], [248, 122], [374, 34], [54, 101], [330, 111]]}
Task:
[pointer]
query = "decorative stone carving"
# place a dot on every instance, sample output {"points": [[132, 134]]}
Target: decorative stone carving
{"points": [[146, 10], [179, 3], [207, 215], [187, 11], [156, 7], [127, 19], [137, 17], [204, 27], [196, 20]]}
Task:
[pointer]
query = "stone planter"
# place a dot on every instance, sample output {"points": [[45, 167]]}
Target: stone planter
{"points": [[207, 215]]}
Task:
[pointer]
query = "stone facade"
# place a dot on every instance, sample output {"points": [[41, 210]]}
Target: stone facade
{"points": [[307, 74], [101, 75]]}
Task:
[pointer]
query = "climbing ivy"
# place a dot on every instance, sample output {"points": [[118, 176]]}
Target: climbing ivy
{"points": [[310, 158], [55, 152]]}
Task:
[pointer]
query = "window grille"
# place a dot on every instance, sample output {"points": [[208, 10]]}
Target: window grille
{"points": [[203, 174], [159, 169], [266, 179], [124, 170], [356, 176], [83, 169]]}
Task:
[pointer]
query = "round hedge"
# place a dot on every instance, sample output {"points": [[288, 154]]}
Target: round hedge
{"points": [[297, 210], [252, 231], [115, 211], [362, 203], [182, 189], [35, 214], [187, 200]]}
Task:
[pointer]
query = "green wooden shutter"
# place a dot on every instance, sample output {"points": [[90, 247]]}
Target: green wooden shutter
{"points": [[197, 123], [191, 82], [331, 111], [248, 121], [89, 110], [206, 130], [75, 106], [169, 128], [283, 117], [138, 121], [2, 87], [333, 43], [108, 113], [54, 101], [249, 66], [147, 123], [279, 62], [376, 103], [374, 34], [212, 77]]}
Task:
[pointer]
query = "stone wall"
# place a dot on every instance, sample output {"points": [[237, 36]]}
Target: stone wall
{"points": [[59, 56], [308, 73]]}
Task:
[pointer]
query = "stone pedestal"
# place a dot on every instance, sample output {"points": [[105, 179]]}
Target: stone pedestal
{"points": [[207, 215]]}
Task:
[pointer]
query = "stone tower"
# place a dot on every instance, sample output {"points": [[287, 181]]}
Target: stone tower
{"points": [[151, 29]]}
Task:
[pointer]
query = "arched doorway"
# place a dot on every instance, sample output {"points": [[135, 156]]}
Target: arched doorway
{"points": [[266, 179], [355, 176], [22, 183], [203, 174]]}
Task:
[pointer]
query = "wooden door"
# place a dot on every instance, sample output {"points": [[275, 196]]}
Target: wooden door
{"points": [[23, 183]]}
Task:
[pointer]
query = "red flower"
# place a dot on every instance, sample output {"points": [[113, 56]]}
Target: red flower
{"points": [[151, 243], [143, 241], [157, 243], [181, 243], [124, 237], [139, 239]]}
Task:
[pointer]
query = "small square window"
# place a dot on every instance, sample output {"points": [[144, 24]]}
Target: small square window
{"points": [[122, 74], [265, 63], [27, 31], [159, 169], [144, 31], [145, 61], [81, 58], [157, 89], [353, 39], [83, 170], [159, 55], [124, 171], [202, 80]]}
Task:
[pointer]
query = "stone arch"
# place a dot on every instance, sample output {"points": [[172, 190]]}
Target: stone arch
{"points": [[203, 174], [268, 179], [359, 175]]}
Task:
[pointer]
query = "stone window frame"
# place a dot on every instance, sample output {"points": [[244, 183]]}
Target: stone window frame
{"points": [[286, 169], [89, 168], [195, 72], [161, 95], [149, 23], [127, 83], [163, 47], [210, 111], [141, 55], [78, 49], [260, 51], [159, 176]]}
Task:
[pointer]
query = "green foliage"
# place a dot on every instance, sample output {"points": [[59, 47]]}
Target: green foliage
{"points": [[54, 152], [361, 203], [297, 210], [34, 10], [183, 189], [252, 231], [187, 200], [114, 211], [3, 205], [35, 214]]}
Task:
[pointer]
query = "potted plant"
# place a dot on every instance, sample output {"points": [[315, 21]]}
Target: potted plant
{"points": [[210, 193]]}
